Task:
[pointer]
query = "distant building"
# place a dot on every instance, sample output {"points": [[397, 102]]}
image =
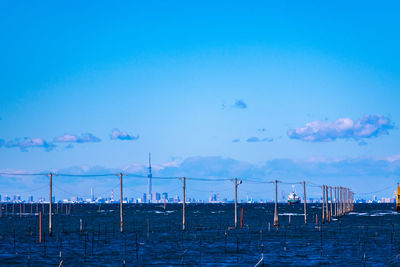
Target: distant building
{"points": [[91, 194], [214, 198]]}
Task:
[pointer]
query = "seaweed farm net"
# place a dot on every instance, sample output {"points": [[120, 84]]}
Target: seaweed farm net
{"points": [[89, 235]]}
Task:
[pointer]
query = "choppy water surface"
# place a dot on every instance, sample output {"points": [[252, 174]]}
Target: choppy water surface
{"points": [[153, 236]]}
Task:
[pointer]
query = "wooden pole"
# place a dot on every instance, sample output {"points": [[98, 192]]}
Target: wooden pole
{"points": [[344, 201], [120, 204], [40, 227], [338, 201], [328, 217], [305, 202], [323, 203], [241, 219], [183, 205], [276, 218], [341, 201], [235, 203], [352, 201], [50, 202], [20, 210], [335, 202], [330, 189]]}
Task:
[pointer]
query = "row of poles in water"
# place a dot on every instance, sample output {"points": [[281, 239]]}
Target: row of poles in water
{"points": [[337, 204], [343, 202]]}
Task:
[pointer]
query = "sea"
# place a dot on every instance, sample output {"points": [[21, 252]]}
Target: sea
{"points": [[90, 235]]}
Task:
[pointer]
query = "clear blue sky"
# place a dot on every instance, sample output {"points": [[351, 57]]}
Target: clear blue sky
{"points": [[186, 80]]}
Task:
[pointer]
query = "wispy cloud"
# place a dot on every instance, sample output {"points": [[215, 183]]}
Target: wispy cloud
{"points": [[356, 173], [255, 139], [2, 142], [237, 140], [240, 104], [116, 134], [25, 143], [72, 138], [343, 128]]}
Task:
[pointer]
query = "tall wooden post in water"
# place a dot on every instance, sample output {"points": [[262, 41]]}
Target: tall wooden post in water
{"points": [[236, 185], [335, 201], [330, 189], [276, 219], [120, 204], [326, 203], [341, 200], [50, 202], [323, 203], [305, 202], [184, 204]]}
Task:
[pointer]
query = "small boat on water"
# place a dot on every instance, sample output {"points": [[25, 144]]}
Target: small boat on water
{"points": [[293, 198]]}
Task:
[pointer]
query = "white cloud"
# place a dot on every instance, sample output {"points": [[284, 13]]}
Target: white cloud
{"points": [[25, 143], [72, 138], [343, 128], [116, 134]]}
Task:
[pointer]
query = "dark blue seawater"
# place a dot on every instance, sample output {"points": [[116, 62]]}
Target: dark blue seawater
{"points": [[153, 236]]}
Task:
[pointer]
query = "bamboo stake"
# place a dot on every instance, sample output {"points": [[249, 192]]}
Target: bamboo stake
{"points": [[40, 227], [50, 202], [330, 188], [335, 201], [241, 219], [276, 218], [326, 203], [235, 203], [183, 205], [323, 203], [305, 202], [120, 205]]}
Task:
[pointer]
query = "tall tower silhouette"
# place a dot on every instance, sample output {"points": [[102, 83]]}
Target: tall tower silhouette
{"points": [[149, 176]]}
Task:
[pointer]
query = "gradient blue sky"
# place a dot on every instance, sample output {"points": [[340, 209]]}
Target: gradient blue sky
{"points": [[198, 81]]}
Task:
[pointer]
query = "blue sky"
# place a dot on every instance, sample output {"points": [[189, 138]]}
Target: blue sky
{"points": [[101, 84]]}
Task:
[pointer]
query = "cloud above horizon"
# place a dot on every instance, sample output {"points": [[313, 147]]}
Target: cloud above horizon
{"points": [[343, 128], [240, 104], [72, 138], [25, 143], [116, 134]]}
